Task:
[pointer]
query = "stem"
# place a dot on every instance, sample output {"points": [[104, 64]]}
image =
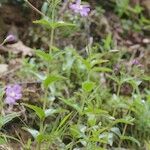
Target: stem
{"points": [[50, 52], [34, 8], [52, 30], [83, 103], [48, 71], [51, 41], [118, 92], [38, 147], [41, 132], [125, 127], [45, 99], [123, 132]]}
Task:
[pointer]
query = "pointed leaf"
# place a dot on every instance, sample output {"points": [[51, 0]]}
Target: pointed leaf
{"points": [[131, 139], [5, 119], [39, 111], [97, 62], [2, 141], [33, 132], [101, 69], [51, 79], [49, 24], [52, 111], [70, 103], [88, 86], [43, 55], [63, 121]]}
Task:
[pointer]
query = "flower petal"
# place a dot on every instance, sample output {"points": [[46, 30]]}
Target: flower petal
{"points": [[10, 100]]}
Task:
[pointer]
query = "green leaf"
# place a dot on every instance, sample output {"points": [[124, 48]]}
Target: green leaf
{"points": [[88, 86], [5, 119], [97, 62], [115, 130], [83, 61], [63, 24], [44, 8], [86, 63], [126, 120], [43, 55], [114, 78], [33, 132], [36, 134], [51, 111], [92, 120], [44, 23], [51, 79], [39, 111], [101, 69], [72, 104], [95, 111], [131, 139], [2, 141], [38, 75], [48, 24], [107, 42], [96, 56], [75, 131], [42, 137], [56, 49], [63, 121], [69, 61], [146, 78]]}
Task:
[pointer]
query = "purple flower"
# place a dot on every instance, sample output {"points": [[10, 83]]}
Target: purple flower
{"points": [[135, 62], [13, 93], [83, 10], [10, 39]]}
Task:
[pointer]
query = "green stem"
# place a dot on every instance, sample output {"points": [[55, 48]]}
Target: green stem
{"points": [[41, 132], [118, 93], [45, 99], [124, 131], [48, 71], [50, 52], [53, 29], [51, 41], [83, 103]]}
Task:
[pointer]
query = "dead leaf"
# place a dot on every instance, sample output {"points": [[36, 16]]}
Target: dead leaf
{"points": [[19, 47], [3, 68], [146, 41], [5, 147]]}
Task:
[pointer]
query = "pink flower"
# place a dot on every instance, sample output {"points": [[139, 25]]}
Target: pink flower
{"points": [[135, 62], [10, 39], [83, 10], [13, 94]]}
